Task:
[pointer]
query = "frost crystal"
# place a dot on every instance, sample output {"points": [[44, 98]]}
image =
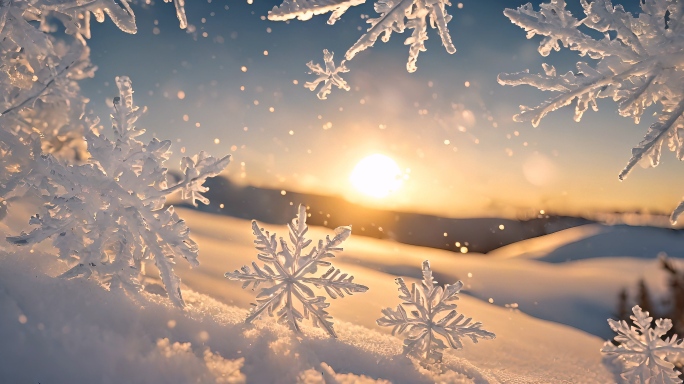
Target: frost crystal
{"points": [[108, 215], [306, 9], [639, 63], [328, 76], [287, 273], [434, 319], [395, 16], [646, 355]]}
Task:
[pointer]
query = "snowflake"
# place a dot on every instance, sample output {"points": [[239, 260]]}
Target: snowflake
{"points": [[434, 319], [646, 355], [287, 273], [109, 215], [328, 76], [306, 9], [639, 63]]}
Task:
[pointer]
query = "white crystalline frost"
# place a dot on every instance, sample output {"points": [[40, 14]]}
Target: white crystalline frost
{"points": [[288, 273], [108, 215], [306, 9], [329, 76], [639, 62], [647, 357], [396, 16], [431, 318]]}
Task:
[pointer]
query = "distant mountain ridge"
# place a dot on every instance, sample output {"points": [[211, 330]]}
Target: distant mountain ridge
{"points": [[475, 234]]}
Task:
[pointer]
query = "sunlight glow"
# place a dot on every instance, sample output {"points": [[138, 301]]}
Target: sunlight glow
{"points": [[376, 176]]}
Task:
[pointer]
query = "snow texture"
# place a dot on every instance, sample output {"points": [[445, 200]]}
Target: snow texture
{"points": [[289, 276], [108, 215], [434, 319], [639, 63], [647, 357], [329, 76]]}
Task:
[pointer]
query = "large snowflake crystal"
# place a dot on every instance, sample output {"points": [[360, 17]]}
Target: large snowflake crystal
{"points": [[108, 216], [432, 318], [289, 274], [639, 62], [646, 355], [329, 76]]}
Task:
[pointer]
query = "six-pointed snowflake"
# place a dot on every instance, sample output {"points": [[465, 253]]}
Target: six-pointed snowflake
{"points": [[639, 62], [289, 274], [433, 319], [646, 355], [329, 76]]}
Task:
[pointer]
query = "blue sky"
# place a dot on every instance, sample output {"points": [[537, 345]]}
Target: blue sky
{"points": [[449, 123]]}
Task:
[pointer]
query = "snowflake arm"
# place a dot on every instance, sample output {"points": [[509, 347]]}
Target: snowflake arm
{"points": [[396, 16], [638, 63], [329, 76], [287, 271], [646, 355], [433, 319], [306, 9]]}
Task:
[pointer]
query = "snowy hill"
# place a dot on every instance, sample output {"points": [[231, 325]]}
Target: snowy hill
{"points": [[596, 240], [65, 330]]}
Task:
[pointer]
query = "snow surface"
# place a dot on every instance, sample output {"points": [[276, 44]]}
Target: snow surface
{"points": [[597, 240], [60, 331]]}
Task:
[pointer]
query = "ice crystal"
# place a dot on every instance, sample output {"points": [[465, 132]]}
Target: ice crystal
{"points": [[288, 273], [432, 320], [306, 9], [107, 216], [647, 357], [329, 76], [639, 62], [394, 16]]}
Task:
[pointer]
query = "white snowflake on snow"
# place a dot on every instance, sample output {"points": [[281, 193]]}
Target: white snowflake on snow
{"points": [[289, 274], [329, 76], [646, 355], [433, 320], [639, 62]]}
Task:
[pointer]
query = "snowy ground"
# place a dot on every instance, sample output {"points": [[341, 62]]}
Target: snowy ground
{"points": [[56, 331]]}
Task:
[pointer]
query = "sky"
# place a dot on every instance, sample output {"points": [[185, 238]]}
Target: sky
{"points": [[233, 83]]}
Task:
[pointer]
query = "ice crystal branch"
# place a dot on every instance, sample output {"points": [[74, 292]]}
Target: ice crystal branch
{"points": [[638, 63], [394, 16], [288, 274], [646, 356], [306, 9], [433, 319], [108, 215]]}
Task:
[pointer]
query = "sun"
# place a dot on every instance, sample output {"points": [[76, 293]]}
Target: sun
{"points": [[376, 176]]}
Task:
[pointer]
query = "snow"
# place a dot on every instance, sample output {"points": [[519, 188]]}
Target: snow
{"points": [[57, 331], [597, 240]]}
